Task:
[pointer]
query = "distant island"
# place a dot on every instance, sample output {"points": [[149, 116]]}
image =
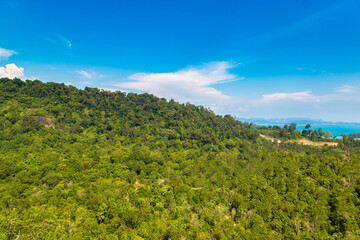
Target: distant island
{"points": [[298, 121]]}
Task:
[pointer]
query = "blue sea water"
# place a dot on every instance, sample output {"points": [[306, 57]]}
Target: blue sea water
{"points": [[335, 129]]}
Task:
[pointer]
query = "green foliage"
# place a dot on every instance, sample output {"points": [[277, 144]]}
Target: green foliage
{"points": [[92, 164]]}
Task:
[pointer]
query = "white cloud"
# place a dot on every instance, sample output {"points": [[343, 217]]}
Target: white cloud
{"points": [[347, 89], [296, 96], [33, 78], [84, 74], [113, 89], [345, 93], [11, 71], [299, 68], [89, 75], [6, 53], [192, 84]]}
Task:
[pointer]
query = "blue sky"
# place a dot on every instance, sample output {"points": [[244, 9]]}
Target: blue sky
{"points": [[245, 58]]}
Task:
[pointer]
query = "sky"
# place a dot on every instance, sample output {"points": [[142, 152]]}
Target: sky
{"points": [[250, 59]]}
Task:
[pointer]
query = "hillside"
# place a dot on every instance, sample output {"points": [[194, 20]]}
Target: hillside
{"points": [[92, 164]]}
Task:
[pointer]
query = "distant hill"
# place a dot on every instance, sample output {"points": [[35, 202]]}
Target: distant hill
{"points": [[298, 121]]}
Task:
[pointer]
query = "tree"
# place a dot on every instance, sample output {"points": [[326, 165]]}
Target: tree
{"points": [[327, 134]]}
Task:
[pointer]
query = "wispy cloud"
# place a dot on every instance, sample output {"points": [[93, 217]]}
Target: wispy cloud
{"points": [[84, 74], [336, 105], [193, 84], [295, 96], [66, 41], [304, 23], [89, 76], [6, 53], [348, 89], [58, 39], [12, 71], [345, 93], [310, 19]]}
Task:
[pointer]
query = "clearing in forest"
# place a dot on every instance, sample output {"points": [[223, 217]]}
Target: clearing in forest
{"points": [[302, 141]]}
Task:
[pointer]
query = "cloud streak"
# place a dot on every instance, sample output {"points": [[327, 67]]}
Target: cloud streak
{"points": [[296, 96], [84, 74], [90, 75], [58, 39], [347, 89], [303, 23], [6, 53], [194, 84], [67, 42]]}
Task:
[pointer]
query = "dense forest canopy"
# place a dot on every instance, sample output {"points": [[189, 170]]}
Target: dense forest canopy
{"points": [[93, 164]]}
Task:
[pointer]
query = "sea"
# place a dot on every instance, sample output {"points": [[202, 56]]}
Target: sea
{"points": [[336, 129]]}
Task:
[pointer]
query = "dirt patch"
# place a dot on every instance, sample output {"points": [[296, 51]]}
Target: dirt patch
{"points": [[308, 142], [48, 122], [302, 141], [270, 138], [138, 185]]}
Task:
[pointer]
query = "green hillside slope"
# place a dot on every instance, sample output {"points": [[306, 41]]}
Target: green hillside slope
{"points": [[92, 164]]}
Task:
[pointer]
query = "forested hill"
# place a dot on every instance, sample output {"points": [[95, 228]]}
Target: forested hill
{"points": [[108, 114], [92, 164]]}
